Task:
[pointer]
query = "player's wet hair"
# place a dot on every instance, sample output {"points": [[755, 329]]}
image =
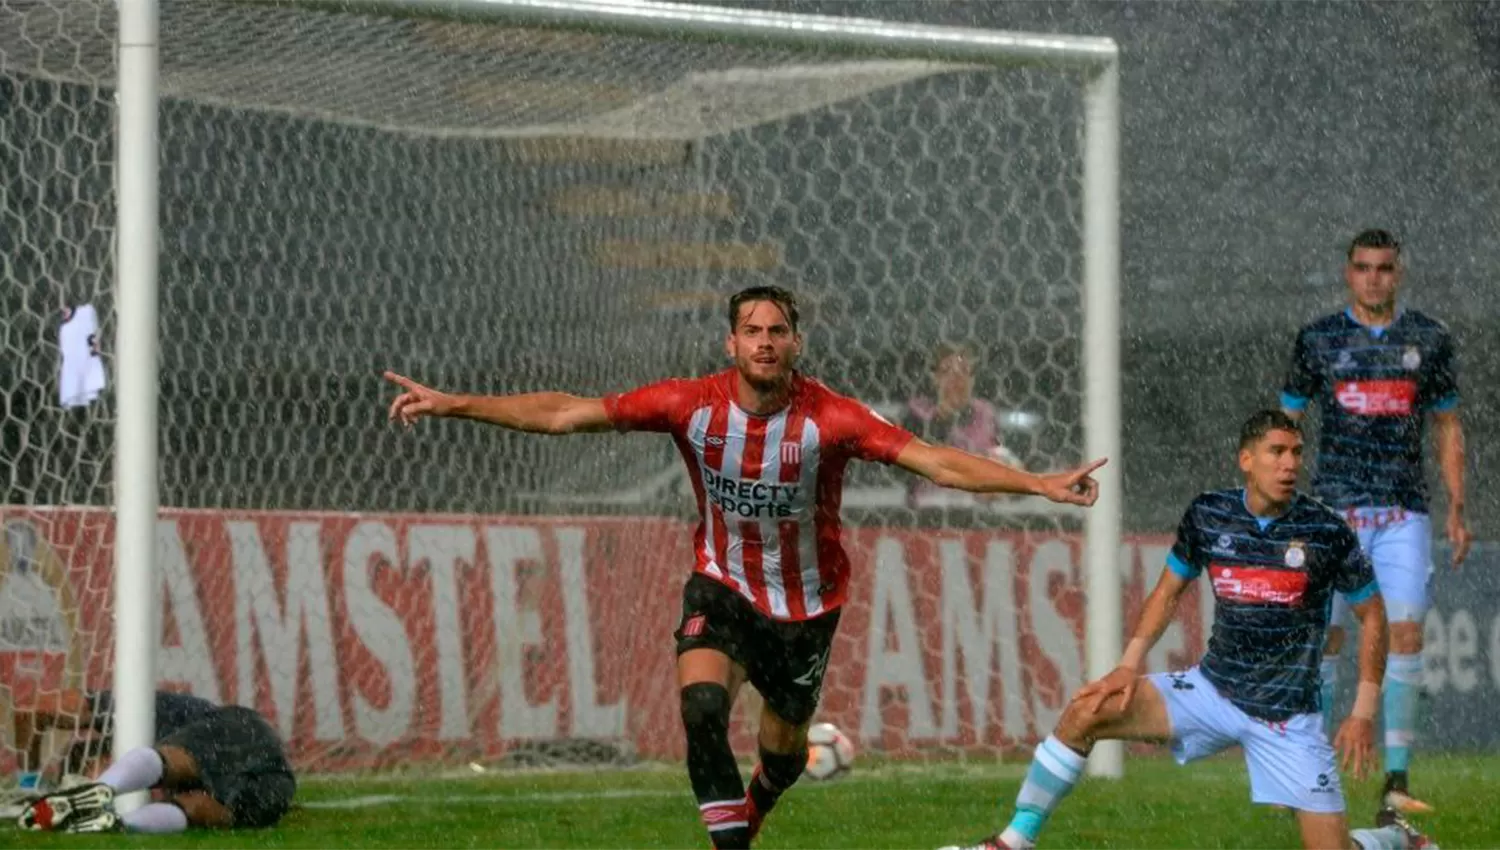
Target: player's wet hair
{"points": [[782, 298], [1263, 422], [1374, 238]]}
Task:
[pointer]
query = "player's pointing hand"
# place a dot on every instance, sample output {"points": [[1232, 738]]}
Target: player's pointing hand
{"points": [[417, 401], [1075, 487]]}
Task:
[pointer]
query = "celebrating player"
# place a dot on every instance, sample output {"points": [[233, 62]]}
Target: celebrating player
{"points": [[1274, 556], [1376, 370], [766, 449], [220, 768]]}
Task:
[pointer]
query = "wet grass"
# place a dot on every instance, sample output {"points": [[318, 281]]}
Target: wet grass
{"points": [[1158, 805]]}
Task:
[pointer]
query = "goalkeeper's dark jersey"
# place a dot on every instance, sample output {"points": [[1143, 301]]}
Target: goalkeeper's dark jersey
{"points": [[173, 711], [1373, 388], [1272, 580]]}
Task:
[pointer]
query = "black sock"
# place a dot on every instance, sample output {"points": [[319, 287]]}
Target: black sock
{"points": [[778, 771], [711, 766], [1395, 780]]}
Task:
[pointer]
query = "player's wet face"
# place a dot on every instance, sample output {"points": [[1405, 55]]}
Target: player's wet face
{"points": [[1272, 464], [1373, 276], [763, 345], [955, 381]]}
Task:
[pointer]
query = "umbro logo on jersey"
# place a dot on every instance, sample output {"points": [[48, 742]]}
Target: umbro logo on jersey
{"points": [[714, 441], [1224, 545], [1345, 361], [791, 453]]}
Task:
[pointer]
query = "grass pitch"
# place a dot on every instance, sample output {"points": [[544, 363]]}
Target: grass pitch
{"points": [[1158, 805]]}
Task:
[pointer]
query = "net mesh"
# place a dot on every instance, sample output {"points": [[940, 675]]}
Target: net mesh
{"points": [[498, 209]]}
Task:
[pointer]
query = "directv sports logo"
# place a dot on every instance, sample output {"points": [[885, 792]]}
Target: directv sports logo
{"points": [[752, 499]]}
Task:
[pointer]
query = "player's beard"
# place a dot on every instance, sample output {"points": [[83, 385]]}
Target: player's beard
{"points": [[756, 375]]}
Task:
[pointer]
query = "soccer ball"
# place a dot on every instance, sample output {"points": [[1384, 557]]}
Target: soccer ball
{"points": [[830, 753]]}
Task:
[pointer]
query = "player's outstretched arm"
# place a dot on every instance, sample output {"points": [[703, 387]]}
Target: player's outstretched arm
{"points": [[949, 467], [1156, 614], [1355, 739], [540, 413]]}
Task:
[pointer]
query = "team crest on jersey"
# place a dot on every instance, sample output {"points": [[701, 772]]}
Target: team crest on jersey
{"points": [[791, 453], [1411, 358], [1296, 554]]}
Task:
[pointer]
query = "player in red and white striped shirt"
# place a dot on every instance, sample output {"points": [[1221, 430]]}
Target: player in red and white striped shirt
{"points": [[766, 448]]}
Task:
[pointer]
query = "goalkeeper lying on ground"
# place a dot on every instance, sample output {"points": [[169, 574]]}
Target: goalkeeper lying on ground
{"points": [[215, 767]]}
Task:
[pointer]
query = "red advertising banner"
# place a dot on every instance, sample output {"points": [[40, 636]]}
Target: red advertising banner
{"points": [[371, 640]]}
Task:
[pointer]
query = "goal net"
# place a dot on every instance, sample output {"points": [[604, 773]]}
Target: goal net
{"points": [[501, 208]]}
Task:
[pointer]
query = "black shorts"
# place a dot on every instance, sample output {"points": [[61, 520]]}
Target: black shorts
{"points": [[784, 659], [241, 764]]}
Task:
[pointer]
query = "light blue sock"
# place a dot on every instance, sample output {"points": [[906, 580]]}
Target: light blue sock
{"points": [[1329, 670], [1385, 838], [1403, 678], [29, 780], [1055, 769]]}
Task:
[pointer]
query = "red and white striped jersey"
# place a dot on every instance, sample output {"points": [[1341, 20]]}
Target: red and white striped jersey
{"points": [[768, 487]]}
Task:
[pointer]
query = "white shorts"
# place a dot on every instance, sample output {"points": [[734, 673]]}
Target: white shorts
{"points": [[1291, 763], [1399, 545]]}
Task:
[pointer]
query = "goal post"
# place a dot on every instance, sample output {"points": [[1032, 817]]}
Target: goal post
{"points": [[531, 194], [137, 503]]}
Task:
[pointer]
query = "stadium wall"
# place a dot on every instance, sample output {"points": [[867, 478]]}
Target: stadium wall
{"points": [[376, 640]]}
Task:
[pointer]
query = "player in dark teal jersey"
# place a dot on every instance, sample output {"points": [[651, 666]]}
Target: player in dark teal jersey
{"points": [[1274, 557], [1375, 372]]}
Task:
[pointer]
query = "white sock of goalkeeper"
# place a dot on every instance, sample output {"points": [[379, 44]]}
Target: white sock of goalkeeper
{"points": [[1054, 771], [156, 819], [137, 770]]}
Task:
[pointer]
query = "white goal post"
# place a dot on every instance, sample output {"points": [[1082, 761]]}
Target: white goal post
{"points": [[137, 471]]}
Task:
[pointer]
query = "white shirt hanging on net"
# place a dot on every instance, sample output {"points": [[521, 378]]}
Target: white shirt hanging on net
{"points": [[82, 376]]}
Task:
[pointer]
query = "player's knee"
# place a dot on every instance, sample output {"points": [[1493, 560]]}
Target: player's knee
{"points": [[705, 707], [1078, 721], [1406, 638], [780, 734]]}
